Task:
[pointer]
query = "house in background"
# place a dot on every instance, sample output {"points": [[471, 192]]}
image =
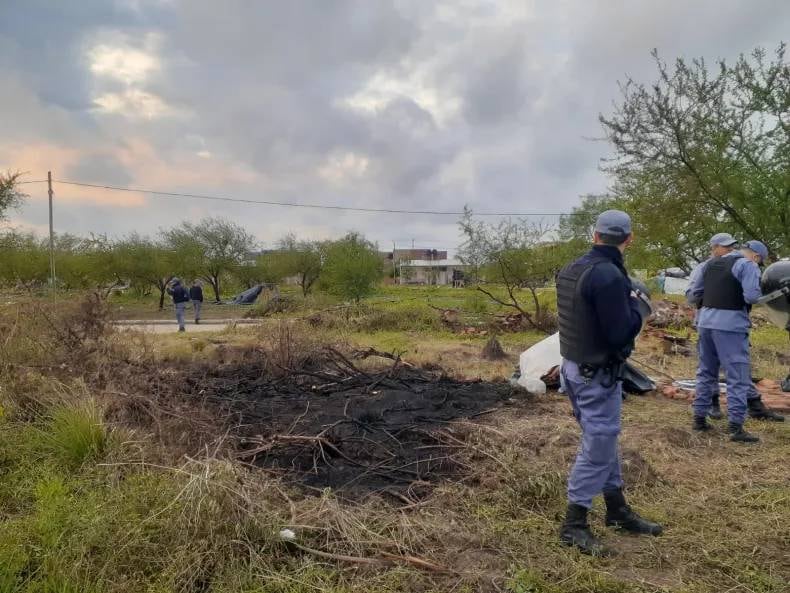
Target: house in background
{"points": [[437, 272], [399, 255]]}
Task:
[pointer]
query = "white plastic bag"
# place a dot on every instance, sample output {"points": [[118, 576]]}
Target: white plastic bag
{"points": [[537, 361]]}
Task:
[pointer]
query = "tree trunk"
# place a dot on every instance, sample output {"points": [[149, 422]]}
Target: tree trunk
{"points": [[161, 284], [214, 281], [536, 301]]}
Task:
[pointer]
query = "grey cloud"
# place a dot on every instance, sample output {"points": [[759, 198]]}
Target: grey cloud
{"points": [[496, 90], [101, 169], [262, 85]]}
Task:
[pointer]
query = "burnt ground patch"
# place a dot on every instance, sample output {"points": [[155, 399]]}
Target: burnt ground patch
{"points": [[329, 423]]}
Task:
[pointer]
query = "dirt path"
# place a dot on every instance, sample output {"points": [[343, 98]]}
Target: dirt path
{"points": [[169, 327]]}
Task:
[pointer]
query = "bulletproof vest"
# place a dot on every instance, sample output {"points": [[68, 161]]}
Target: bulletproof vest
{"points": [[722, 290], [581, 339]]}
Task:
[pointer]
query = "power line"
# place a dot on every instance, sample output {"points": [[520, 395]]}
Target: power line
{"points": [[168, 194]]}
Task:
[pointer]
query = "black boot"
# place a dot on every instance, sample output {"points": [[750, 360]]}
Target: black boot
{"points": [[620, 515], [759, 411], [701, 424], [739, 435], [715, 408], [576, 532]]}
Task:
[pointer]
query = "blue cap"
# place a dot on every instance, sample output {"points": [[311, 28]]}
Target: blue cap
{"points": [[758, 247], [723, 239], [613, 222]]}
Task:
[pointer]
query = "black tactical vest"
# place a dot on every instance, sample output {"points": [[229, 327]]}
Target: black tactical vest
{"points": [[722, 290], [581, 339]]}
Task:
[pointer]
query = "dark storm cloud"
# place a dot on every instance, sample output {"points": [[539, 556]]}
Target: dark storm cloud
{"points": [[401, 103]]}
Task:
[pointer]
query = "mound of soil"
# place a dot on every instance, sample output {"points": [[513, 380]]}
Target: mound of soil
{"points": [[493, 350]]}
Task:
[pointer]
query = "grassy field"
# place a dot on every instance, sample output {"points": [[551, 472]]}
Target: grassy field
{"points": [[90, 501]]}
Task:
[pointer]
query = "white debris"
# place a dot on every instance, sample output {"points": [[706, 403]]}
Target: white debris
{"points": [[537, 361], [533, 386], [287, 535]]}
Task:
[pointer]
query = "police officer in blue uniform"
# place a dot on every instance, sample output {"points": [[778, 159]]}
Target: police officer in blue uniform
{"points": [[599, 319], [721, 244], [726, 287]]}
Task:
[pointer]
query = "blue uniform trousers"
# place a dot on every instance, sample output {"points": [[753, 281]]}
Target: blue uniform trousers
{"points": [[753, 394], [180, 310], [730, 350], [597, 410]]}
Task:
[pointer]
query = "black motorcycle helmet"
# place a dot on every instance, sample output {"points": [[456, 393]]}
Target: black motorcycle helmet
{"points": [[775, 278], [645, 304]]}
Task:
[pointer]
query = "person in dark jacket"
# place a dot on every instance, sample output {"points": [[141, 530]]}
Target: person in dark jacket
{"points": [[196, 296], [599, 319], [180, 299]]}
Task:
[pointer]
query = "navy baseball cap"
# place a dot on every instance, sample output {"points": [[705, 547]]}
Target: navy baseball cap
{"points": [[613, 222], [723, 239], [758, 247]]}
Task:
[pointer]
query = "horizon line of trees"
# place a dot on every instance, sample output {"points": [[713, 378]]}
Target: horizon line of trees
{"points": [[215, 251]]}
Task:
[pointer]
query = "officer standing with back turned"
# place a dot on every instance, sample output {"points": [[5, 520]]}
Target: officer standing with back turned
{"points": [[599, 319]]}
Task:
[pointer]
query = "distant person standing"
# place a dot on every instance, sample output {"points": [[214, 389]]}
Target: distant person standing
{"points": [[180, 299], [662, 281], [196, 296]]}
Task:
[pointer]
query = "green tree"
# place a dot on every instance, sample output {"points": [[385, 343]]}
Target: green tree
{"points": [[22, 260], [352, 268], [210, 249], [702, 150], [83, 262], [301, 259], [10, 196], [664, 234], [518, 255], [144, 263]]}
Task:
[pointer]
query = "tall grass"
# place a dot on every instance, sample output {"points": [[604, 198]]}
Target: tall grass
{"points": [[75, 432]]}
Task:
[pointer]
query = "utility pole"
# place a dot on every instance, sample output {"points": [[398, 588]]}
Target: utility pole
{"points": [[51, 234], [394, 265]]}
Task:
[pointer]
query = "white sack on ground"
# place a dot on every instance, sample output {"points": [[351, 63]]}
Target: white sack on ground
{"points": [[538, 360]]}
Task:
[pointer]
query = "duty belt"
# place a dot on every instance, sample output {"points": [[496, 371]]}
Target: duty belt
{"points": [[612, 372]]}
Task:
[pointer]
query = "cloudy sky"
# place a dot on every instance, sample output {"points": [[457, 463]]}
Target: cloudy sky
{"points": [[408, 104]]}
